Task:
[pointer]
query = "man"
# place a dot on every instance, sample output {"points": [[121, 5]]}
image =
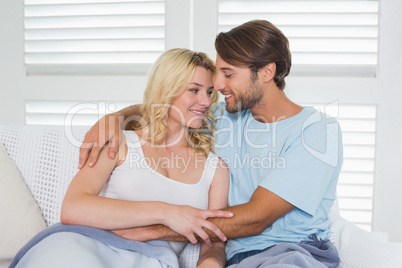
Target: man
{"points": [[284, 159]]}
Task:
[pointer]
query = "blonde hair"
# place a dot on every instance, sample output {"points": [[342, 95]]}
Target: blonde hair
{"points": [[168, 79]]}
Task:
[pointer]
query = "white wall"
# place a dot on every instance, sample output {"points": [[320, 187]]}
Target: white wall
{"points": [[383, 90], [11, 63]]}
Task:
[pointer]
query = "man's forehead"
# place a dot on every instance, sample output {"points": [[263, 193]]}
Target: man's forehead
{"points": [[219, 60], [223, 65]]}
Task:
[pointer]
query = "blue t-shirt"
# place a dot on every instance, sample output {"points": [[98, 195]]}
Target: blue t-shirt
{"points": [[297, 158]]}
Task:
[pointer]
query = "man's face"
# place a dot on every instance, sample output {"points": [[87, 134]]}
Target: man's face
{"points": [[241, 90]]}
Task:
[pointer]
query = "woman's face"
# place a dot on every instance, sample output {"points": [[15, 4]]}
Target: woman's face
{"points": [[190, 107]]}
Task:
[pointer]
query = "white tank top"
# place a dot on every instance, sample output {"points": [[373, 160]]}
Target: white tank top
{"points": [[135, 180]]}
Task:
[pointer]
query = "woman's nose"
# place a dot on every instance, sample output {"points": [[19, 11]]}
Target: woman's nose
{"points": [[205, 100]]}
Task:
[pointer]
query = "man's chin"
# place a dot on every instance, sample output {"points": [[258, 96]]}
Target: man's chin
{"points": [[234, 108]]}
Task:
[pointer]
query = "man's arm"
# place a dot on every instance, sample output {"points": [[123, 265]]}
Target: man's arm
{"points": [[131, 116], [253, 217], [249, 219], [107, 130]]}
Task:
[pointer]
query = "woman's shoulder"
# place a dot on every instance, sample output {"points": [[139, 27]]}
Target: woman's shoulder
{"points": [[134, 136], [129, 142], [135, 133]]}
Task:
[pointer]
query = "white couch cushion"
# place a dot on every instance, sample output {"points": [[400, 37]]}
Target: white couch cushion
{"points": [[20, 215]]}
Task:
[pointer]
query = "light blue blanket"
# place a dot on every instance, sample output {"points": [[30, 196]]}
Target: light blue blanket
{"points": [[155, 249]]}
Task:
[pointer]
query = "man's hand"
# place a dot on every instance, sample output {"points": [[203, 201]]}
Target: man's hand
{"points": [[106, 130], [211, 263], [212, 257]]}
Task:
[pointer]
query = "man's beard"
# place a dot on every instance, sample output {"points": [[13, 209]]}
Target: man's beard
{"points": [[252, 96]]}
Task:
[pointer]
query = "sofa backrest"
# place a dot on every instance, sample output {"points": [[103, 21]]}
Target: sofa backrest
{"points": [[47, 157]]}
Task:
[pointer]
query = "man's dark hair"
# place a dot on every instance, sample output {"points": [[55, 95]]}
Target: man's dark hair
{"points": [[255, 44]]}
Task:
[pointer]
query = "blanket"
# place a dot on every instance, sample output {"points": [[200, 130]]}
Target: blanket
{"points": [[157, 249]]}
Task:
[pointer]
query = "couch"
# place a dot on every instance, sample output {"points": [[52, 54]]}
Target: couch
{"points": [[38, 162]]}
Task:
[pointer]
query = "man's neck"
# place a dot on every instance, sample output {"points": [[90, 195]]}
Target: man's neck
{"points": [[275, 106]]}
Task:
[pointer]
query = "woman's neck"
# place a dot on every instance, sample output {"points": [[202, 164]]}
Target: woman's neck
{"points": [[173, 137]]}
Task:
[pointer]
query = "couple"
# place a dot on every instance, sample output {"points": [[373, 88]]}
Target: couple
{"points": [[274, 214]]}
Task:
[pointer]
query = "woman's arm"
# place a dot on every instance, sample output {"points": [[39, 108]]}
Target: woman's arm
{"points": [[215, 256], [83, 206]]}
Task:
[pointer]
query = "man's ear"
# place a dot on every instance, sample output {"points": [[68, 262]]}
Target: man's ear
{"points": [[268, 72]]}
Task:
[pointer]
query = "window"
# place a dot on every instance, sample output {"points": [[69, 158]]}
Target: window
{"points": [[356, 182], [69, 112], [334, 47], [92, 36], [327, 37]]}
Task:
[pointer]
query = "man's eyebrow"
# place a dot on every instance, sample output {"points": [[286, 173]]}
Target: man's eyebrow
{"points": [[226, 69]]}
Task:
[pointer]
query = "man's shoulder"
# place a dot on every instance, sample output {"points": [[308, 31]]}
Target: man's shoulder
{"points": [[313, 118]]}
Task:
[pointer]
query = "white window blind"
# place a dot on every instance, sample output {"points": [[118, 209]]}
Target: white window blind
{"points": [[327, 37], [93, 36], [63, 113], [356, 182]]}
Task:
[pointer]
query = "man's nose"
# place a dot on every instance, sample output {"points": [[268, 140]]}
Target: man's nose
{"points": [[219, 84]]}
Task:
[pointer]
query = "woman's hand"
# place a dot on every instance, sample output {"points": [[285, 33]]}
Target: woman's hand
{"points": [[106, 130], [189, 222]]}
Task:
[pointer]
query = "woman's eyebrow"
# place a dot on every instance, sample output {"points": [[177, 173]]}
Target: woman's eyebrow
{"points": [[197, 84], [200, 85]]}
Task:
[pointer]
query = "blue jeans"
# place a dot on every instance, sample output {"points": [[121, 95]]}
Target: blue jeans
{"points": [[310, 253], [237, 258]]}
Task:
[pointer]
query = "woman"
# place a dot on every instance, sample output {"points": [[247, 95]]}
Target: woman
{"points": [[166, 173]]}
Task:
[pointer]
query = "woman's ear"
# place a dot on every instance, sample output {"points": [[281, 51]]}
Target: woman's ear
{"points": [[268, 72]]}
